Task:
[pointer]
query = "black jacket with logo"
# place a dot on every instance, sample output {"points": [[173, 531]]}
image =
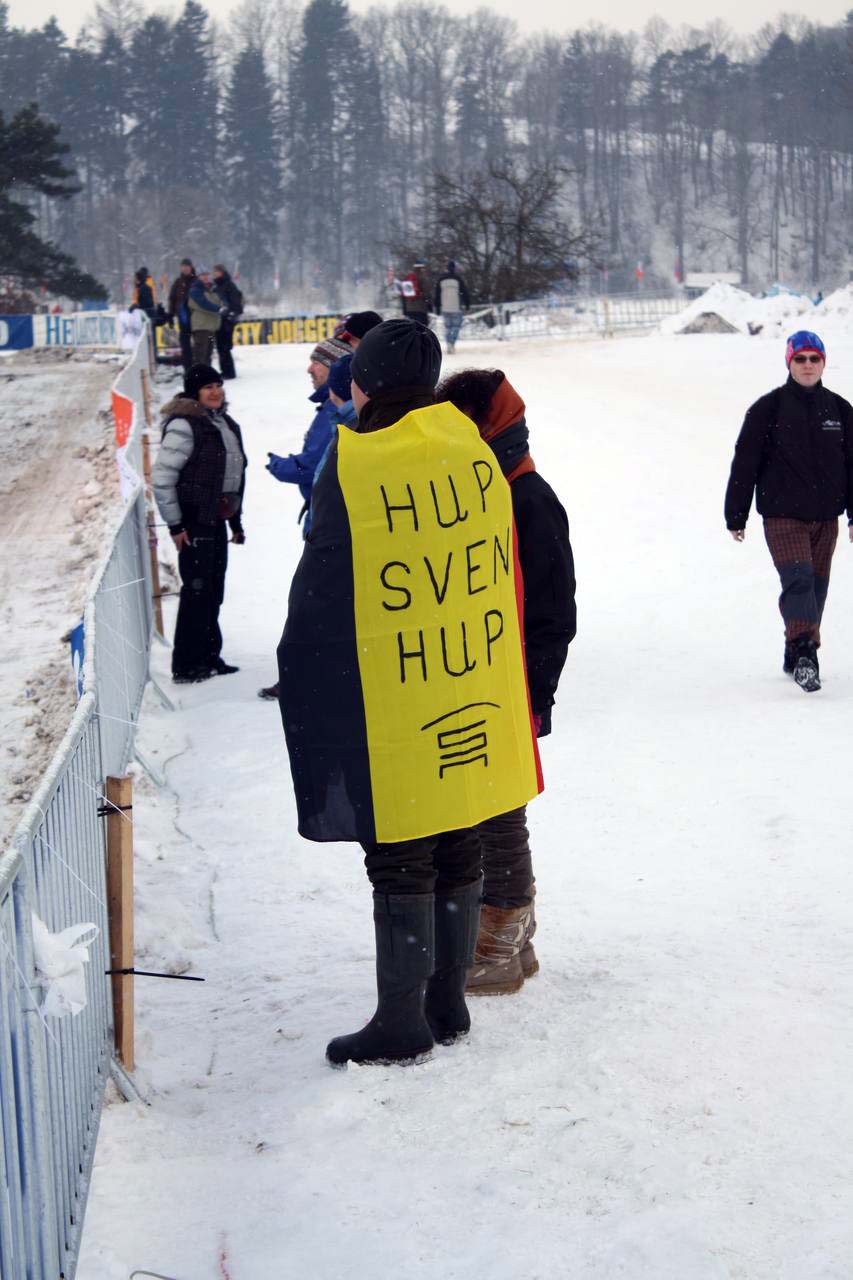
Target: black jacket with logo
{"points": [[795, 451]]}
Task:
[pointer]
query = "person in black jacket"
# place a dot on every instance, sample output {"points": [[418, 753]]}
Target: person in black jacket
{"points": [[232, 309], [198, 482], [795, 452], [505, 955], [179, 309], [143, 294]]}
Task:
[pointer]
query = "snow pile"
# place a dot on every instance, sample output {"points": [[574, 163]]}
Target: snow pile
{"points": [[727, 301], [772, 317], [838, 305]]}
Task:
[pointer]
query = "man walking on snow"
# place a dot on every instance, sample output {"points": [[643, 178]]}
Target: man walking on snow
{"points": [[795, 451]]}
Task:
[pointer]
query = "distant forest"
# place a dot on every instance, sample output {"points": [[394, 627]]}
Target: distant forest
{"points": [[299, 143]]}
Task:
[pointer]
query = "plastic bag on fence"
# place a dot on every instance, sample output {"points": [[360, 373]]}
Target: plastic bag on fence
{"points": [[59, 960]]}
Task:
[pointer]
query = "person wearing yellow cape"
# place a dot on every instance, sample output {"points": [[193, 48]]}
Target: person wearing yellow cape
{"points": [[402, 680]]}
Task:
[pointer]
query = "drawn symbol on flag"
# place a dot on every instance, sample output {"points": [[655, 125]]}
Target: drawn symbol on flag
{"points": [[464, 743]]}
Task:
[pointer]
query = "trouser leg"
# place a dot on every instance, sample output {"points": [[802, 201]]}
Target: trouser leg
{"points": [[407, 866], [202, 346], [224, 343], [201, 594], [790, 546], [823, 536], [507, 863], [217, 589], [186, 346]]}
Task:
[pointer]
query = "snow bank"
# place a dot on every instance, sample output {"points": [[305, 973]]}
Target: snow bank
{"points": [[777, 316]]}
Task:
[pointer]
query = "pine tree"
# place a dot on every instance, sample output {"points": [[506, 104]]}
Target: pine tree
{"points": [[31, 161], [253, 182], [194, 86]]}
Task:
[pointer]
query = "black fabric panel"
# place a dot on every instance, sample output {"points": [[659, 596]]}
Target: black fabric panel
{"points": [[321, 699]]}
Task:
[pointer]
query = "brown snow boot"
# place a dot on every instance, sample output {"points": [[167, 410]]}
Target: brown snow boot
{"points": [[497, 970], [529, 962]]}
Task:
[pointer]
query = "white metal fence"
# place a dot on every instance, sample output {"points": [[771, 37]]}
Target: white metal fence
{"points": [[53, 1071], [595, 315]]}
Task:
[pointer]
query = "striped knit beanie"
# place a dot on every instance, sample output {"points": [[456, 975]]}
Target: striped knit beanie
{"points": [[330, 350]]}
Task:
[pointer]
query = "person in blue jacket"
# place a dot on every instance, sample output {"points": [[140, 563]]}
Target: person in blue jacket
{"points": [[301, 468], [339, 383]]}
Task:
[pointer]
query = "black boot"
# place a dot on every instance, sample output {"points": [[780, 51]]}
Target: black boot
{"points": [[789, 660], [405, 950], [806, 669], [457, 921]]}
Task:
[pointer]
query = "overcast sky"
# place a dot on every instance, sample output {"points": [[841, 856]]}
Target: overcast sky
{"points": [[532, 15]]}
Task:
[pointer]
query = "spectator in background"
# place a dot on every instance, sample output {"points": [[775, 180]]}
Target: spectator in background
{"points": [[353, 327], [198, 480], [413, 295], [451, 299], [144, 298], [795, 455], [205, 307], [505, 955], [232, 301], [179, 309]]}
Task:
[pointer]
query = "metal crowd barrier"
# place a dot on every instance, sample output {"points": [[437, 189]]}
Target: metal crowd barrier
{"points": [[53, 1071], [581, 316]]}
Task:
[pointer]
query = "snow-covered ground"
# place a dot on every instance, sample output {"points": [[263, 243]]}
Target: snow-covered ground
{"points": [[669, 1098], [59, 493]]}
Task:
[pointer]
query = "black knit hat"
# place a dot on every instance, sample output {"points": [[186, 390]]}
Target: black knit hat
{"points": [[359, 323], [397, 353], [200, 375]]}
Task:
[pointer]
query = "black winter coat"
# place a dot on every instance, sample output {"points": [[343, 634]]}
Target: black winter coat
{"points": [[795, 451], [231, 296], [548, 569], [200, 485]]}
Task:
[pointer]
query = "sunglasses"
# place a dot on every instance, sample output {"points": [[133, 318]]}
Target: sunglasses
{"points": [[808, 359]]}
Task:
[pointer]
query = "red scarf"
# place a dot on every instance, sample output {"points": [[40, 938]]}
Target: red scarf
{"points": [[506, 409]]}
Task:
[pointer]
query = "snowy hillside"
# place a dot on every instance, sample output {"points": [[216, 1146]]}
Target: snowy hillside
{"points": [[668, 1099]]}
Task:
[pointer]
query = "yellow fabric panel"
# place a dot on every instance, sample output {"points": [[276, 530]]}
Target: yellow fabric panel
{"points": [[436, 618]]}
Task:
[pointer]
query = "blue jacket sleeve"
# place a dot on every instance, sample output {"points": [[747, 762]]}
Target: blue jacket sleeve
{"points": [[299, 468]]}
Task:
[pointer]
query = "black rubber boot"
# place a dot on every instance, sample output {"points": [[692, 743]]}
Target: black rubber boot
{"points": [[405, 951], [457, 921]]}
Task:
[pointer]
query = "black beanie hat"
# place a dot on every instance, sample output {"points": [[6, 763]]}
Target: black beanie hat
{"points": [[397, 353], [359, 323], [200, 375]]}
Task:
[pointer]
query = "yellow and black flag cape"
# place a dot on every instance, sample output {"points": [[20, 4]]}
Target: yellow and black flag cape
{"points": [[403, 687]]}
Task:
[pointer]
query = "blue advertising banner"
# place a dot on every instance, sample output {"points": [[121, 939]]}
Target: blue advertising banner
{"points": [[16, 333]]}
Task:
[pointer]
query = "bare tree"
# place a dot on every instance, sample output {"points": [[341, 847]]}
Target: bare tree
{"points": [[504, 224]]}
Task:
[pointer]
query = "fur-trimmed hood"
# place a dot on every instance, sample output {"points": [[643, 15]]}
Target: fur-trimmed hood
{"points": [[185, 407]]}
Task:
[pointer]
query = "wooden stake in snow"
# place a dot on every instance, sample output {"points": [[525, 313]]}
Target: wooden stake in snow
{"points": [[119, 794]]}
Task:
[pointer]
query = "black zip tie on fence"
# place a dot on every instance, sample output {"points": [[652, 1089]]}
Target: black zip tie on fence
{"points": [[146, 973], [158, 595], [108, 807]]}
